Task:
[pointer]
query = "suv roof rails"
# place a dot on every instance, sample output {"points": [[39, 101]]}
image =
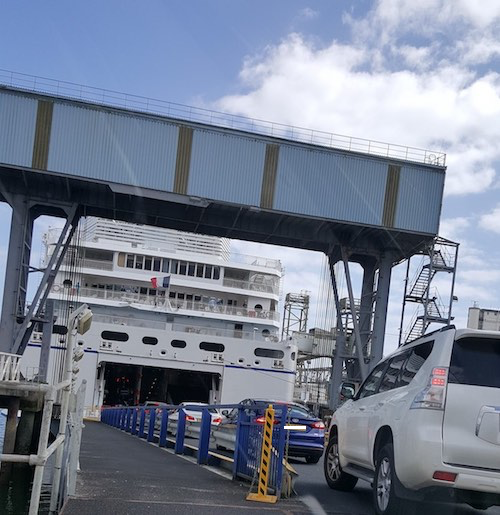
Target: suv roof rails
{"points": [[441, 330]]}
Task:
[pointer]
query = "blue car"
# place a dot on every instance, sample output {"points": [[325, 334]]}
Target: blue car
{"points": [[306, 437]]}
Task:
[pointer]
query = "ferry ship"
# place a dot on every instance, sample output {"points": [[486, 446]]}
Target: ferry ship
{"points": [[176, 317]]}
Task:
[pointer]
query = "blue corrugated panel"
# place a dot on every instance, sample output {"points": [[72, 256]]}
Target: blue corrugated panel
{"points": [[419, 201], [103, 145], [17, 129], [226, 167], [330, 185]]}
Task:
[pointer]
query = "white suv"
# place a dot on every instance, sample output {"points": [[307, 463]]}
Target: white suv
{"points": [[424, 425]]}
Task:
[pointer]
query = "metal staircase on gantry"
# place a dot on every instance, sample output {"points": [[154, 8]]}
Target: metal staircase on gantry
{"points": [[441, 256]]}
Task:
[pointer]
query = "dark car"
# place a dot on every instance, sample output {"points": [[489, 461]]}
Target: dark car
{"points": [[306, 437]]}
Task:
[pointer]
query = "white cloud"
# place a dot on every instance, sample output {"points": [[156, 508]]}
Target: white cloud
{"points": [[491, 221], [453, 228], [308, 13], [339, 89]]}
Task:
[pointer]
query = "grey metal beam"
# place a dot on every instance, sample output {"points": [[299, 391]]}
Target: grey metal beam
{"points": [[47, 280], [358, 343], [366, 302], [340, 343], [381, 303], [17, 269], [46, 340]]}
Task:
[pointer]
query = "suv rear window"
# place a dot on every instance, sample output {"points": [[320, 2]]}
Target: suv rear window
{"points": [[476, 361]]}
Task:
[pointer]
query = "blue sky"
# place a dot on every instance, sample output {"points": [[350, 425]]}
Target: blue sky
{"points": [[422, 74]]}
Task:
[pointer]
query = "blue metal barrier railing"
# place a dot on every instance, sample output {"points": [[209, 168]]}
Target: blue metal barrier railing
{"points": [[153, 423]]}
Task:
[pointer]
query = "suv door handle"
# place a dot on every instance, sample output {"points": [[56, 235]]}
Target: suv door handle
{"points": [[362, 408]]}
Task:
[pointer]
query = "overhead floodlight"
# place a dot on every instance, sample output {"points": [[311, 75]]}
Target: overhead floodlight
{"points": [[84, 321]]}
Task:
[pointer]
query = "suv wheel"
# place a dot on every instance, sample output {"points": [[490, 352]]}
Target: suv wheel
{"points": [[335, 477], [384, 496]]}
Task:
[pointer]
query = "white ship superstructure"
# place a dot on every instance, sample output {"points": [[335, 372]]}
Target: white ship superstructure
{"points": [[177, 317]]}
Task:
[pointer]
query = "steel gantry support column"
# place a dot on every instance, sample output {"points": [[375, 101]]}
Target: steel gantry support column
{"points": [[16, 324], [358, 343], [368, 324], [340, 343], [17, 269], [381, 303], [49, 274], [366, 303]]}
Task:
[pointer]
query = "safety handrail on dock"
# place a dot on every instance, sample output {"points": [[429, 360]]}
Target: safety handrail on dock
{"points": [[10, 367]]}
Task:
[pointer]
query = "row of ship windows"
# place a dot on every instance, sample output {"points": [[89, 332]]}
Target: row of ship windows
{"points": [[181, 344], [168, 266]]}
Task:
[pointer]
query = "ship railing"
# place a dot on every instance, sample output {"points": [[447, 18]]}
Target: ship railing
{"points": [[216, 308], [163, 326], [226, 333], [162, 303], [251, 285], [129, 321], [89, 263]]}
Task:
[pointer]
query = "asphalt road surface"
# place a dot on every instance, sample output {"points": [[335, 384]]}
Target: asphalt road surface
{"points": [[319, 498]]}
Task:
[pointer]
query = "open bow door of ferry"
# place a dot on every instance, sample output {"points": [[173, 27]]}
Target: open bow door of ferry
{"points": [[132, 385]]}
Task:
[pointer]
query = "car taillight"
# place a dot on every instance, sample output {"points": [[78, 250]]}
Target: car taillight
{"points": [[318, 425], [216, 420], [189, 418], [433, 396], [261, 420]]}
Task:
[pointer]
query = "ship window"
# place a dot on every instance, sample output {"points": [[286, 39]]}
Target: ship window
{"points": [[130, 261], [179, 344], [216, 273], [156, 264], [208, 271], [269, 353], [171, 295], [114, 335], [212, 347], [292, 356], [165, 265], [143, 291], [191, 268], [197, 298], [182, 268], [139, 262], [265, 332], [199, 270], [258, 307], [99, 255], [173, 266], [148, 263], [149, 340]]}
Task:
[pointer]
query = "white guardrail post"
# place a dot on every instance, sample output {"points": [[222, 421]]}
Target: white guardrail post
{"points": [[9, 367]]}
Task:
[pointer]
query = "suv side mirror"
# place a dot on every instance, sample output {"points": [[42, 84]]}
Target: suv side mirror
{"points": [[347, 391]]}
